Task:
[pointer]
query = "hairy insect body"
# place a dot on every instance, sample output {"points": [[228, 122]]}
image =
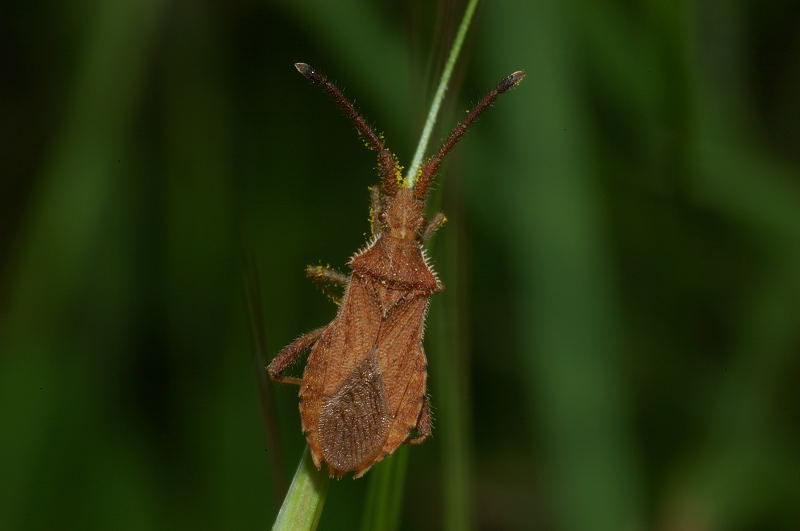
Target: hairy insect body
{"points": [[363, 387], [363, 390]]}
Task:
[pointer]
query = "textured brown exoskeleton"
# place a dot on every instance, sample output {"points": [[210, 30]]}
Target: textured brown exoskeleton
{"points": [[363, 389]]}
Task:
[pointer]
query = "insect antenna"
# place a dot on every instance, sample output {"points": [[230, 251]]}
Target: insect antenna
{"points": [[386, 161], [428, 171]]}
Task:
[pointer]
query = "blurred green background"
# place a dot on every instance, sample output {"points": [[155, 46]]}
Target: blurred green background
{"points": [[618, 346]]}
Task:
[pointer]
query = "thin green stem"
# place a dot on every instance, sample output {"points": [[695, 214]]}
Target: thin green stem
{"points": [[303, 503], [436, 104]]}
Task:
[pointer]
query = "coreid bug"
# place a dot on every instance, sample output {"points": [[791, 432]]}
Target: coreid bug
{"points": [[363, 391]]}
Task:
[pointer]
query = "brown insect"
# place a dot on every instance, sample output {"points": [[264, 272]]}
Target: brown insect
{"points": [[362, 393]]}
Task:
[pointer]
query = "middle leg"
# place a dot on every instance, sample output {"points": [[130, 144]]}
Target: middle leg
{"points": [[424, 427], [325, 278]]}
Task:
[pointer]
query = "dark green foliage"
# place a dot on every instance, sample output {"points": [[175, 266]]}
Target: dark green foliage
{"points": [[618, 344]]}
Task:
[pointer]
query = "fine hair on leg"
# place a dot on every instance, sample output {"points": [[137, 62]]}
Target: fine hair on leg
{"points": [[326, 280], [434, 224], [290, 354]]}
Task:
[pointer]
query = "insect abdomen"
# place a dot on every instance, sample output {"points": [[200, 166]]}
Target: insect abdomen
{"points": [[354, 422]]}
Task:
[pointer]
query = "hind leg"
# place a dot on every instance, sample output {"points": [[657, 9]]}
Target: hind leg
{"points": [[424, 427]]}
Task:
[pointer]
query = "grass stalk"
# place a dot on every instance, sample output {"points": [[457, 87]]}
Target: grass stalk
{"points": [[303, 503], [436, 104], [450, 372]]}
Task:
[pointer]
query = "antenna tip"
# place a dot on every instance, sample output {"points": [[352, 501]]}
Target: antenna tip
{"points": [[304, 69], [512, 80]]}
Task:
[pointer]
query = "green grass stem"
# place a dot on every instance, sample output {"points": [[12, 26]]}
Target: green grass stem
{"points": [[303, 503], [436, 104]]}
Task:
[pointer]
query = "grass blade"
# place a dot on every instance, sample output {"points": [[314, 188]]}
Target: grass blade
{"points": [[255, 315], [450, 368], [303, 503], [436, 104]]}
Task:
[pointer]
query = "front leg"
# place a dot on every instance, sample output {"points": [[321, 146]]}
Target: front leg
{"points": [[434, 224], [290, 354]]}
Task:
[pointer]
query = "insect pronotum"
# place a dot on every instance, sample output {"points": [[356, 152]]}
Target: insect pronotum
{"points": [[363, 390]]}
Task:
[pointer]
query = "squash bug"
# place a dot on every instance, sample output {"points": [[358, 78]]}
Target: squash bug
{"points": [[363, 390]]}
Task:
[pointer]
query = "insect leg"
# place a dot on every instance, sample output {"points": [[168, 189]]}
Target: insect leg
{"points": [[325, 278], [434, 224], [290, 354], [423, 428], [375, 209]]}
